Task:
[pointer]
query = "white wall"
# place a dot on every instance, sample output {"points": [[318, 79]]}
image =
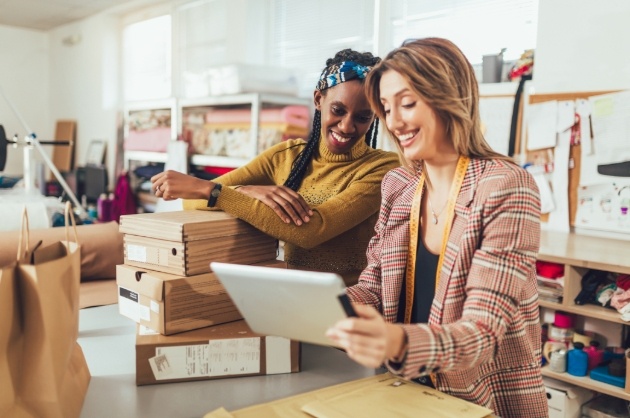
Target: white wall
{"points": [[24, 79], [582, 46], [85, 82]]}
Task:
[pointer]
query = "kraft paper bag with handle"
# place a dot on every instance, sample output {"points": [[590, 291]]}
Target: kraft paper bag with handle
{"points": [[43, 372]]}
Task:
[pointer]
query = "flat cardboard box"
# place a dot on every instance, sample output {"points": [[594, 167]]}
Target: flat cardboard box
{"points": [[186, 242], [227, 350], [381, 395], [184, 226], [169, 304]]}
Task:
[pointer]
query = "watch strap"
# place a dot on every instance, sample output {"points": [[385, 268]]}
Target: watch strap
{"points": [[214, 194]]}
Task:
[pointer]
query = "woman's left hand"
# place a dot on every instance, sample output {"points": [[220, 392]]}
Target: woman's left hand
{"points": [[368, 339]]}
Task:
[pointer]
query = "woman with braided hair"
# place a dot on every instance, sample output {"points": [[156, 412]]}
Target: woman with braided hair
{"points": [[321, 196]]}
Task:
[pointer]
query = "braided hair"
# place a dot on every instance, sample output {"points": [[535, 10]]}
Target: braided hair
{"points": [[346, 65]]}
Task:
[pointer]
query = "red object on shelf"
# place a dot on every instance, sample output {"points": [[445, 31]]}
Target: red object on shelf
{"points": [[219, 171], [549, 270]]}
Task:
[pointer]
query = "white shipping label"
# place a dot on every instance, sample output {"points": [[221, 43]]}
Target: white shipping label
{"points": [[161, 367], [129, 305], [155, 307], [218, 358], [137, 253], [278, 355]]}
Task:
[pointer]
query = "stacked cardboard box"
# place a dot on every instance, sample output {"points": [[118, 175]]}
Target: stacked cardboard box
{"points": [[226, 350], [166, 286], [185, 242]]}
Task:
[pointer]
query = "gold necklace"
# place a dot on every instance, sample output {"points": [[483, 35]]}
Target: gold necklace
{"points": [[435, 215]]}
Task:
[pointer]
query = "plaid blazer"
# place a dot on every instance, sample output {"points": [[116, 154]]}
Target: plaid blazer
{"points": [[482, 340]]}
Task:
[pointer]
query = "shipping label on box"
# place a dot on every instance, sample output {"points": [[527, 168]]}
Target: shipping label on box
{"points": [[230, 349]]}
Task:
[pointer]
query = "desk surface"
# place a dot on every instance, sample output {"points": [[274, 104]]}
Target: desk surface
{"points": [[108, 342]]}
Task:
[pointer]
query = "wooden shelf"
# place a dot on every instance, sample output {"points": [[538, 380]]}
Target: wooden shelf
{"points": [[579, 253], [588, 383], [591, 311], [585, 251], [148, 156], [218, 161]]}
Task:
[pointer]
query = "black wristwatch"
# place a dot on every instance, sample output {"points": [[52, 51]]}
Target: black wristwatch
{"points": [[214, 194]]}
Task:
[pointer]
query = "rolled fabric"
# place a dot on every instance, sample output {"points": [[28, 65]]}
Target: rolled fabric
{"points": [[101, 247], [563, 320]]}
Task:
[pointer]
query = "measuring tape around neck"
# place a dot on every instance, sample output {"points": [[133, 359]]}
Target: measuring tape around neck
{"points": [[414, 230]]}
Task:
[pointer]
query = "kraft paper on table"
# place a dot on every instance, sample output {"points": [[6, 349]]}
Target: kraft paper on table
{"points": [[377, 396]]}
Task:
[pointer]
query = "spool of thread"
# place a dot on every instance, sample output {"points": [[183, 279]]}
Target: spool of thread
{"points": [[104, 205], [563, 320], [564, 335], [558, 362], [551, 346], [584, 337]]}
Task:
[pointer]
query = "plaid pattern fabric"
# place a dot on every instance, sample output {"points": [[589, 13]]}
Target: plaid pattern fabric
{"points": [[483, 336], [339, 73]]}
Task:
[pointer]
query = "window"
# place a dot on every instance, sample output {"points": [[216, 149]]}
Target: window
{"points": [[305, 33], [202, 43], [478, 27], [147, 59]]}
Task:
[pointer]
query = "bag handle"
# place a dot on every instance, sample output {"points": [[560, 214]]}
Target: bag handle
{"points": [[69, 214], [23, 242]]}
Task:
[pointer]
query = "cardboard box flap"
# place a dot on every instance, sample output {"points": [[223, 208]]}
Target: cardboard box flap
{"points": [[189, 225], [145, 282]]}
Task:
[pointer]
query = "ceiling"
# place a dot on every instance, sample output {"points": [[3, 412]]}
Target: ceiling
{"points": [[48, 14]]}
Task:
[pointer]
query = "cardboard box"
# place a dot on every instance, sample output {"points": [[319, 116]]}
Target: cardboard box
{"points": [[227, 350], [368, 397], [565, 400], [169, 304], [185, 242]]}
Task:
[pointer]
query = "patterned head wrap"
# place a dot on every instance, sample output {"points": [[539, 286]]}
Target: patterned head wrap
{"points": [[340, 73]]}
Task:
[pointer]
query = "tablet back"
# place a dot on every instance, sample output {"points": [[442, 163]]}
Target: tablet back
{"points": [[295, 304]]}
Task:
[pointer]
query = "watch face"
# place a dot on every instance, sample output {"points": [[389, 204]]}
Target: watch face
{"points": [[215, 192]]}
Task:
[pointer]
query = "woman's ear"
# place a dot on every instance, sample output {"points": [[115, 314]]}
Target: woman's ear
{"points": [[317, 99]]}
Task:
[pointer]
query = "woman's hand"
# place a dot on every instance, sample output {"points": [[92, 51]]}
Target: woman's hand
{"points": [[171, 185], [287, 204], [368, 339]]}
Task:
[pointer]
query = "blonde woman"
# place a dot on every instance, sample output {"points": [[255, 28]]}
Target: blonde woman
{"points": [[449, 295]]}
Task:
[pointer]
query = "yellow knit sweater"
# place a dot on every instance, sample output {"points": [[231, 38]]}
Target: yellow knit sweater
{"points": [[344, 192]]}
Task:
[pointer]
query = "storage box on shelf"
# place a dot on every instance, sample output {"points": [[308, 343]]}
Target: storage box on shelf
{"points": [[194, 115], [579, 253], [148, 127]]}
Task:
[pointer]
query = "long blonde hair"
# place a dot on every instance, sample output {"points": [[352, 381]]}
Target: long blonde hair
{"points": [[437, 70]]}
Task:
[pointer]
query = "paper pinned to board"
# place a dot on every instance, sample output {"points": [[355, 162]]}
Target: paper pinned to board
{"points": [[542, 123]]}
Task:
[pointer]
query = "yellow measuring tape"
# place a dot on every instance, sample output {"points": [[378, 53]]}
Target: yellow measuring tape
{"points": [[414, 230]]}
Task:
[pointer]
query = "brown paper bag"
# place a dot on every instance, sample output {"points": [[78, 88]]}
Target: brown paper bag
{"points": [[43, 372]]}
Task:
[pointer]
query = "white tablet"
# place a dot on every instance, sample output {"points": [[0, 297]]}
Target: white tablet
{"points": [[296, 304]]}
